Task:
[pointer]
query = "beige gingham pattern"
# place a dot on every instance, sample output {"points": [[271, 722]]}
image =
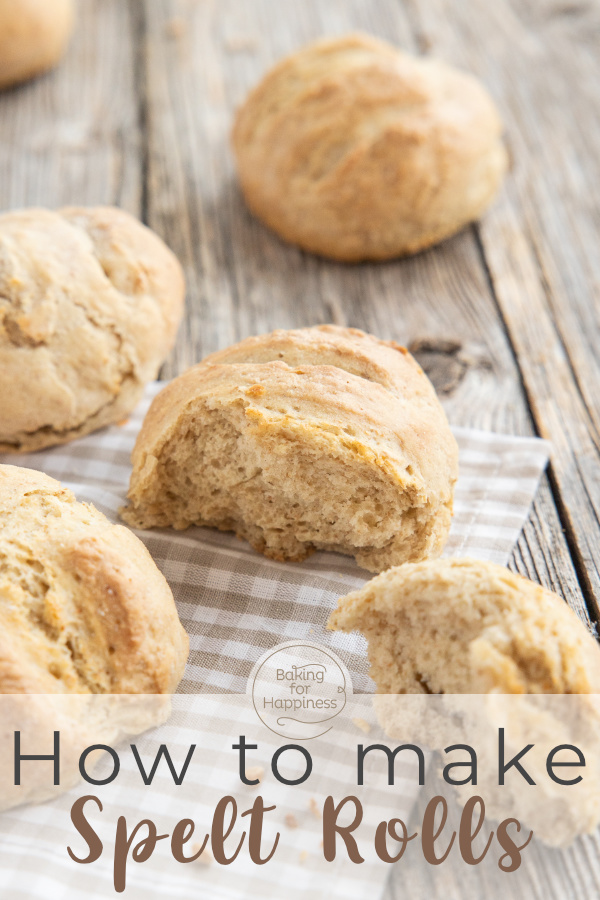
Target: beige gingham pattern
{"points": [[235, 605], [213, 722]]}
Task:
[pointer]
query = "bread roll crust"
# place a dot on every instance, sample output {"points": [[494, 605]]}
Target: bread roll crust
{"points": [[464, 626], [83, 607], [33, 37], [348, 450], [357, 151], [90, 642], [90, 301], [510, 667]]}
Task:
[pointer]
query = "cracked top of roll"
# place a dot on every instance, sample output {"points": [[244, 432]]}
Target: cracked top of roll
{"points": [[317, 438], [83, 607], [354, 150], [90, 302], [467, 626]]}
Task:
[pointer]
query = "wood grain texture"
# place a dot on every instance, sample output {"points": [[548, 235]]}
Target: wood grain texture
{"points": [[504, 317], [73, 136], [139, 115], [540, 241], [201, 59], [545, 874]]}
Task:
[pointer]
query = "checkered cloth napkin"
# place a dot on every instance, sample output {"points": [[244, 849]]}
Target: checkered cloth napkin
{"points": [[235, 605]]}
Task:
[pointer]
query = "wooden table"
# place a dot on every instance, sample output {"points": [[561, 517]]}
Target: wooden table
{"points": [[504, 317]]}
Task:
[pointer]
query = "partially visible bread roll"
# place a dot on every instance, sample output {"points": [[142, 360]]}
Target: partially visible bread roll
{"points": [[83, 607], [320, 438], [90, 302], [461, 626], [87, 625], [357, 151], [33, 37], [507, 660]]}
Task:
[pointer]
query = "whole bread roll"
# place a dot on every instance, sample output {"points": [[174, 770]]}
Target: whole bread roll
{"points": [[319, 438], [90, 302], [355, 150], [33, 37], [463, 626], [87, 625]]}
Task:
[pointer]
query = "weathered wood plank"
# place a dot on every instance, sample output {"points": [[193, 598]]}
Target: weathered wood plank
{"points": [[79, 136], [201, 60], [73, 136], [537, 245], [243, 280], [545, 874], [541, 239], [542, 552]]}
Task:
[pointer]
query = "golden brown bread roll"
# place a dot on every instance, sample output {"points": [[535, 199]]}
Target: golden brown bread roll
{"points": [[355, 150], [463, 626], [90, 302], [507, 660], [319, 438], [83, 607], [85, 615], [33, 37]]}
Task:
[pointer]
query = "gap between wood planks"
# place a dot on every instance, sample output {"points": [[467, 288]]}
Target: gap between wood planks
{"points": [[565, 519], [538, 241], [221, 271], [137, 13]]}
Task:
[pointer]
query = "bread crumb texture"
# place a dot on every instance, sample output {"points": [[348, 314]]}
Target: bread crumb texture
{"points": [[90, 302], [362, 725], [255, 773], [355, 150], [320, 438], [206, 858], [463, 626], [83, 607]]}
